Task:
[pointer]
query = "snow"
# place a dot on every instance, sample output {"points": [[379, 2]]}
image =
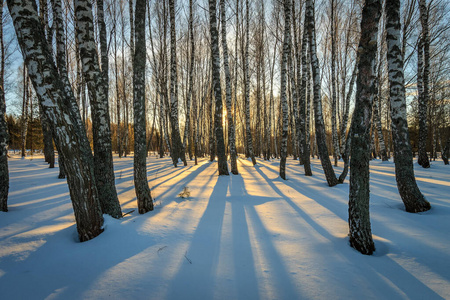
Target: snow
{"points": [[247, 236]]}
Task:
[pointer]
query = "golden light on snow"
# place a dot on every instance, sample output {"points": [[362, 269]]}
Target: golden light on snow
{"points": [[250, 235]]}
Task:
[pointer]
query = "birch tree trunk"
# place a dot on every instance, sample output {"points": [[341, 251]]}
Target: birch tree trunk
{"points": [[293, 105], [318, 115], [98, 95], [103, 45], [358, 205], [247, 85], [118, 97], [404, 171], [215, 57], [283, 83], [143, 195], [424, 90], [62, 172], [191, 80], [348, 96], [177, 146], [446, 152], [24, 118], [61, 62], [266, 110], [70, 141], [271, 102], [236, 64], [334, 132], [261, 57], [211, 140], [124, 141], [297, 81], [159, 70], [62, 69], [309, 104], [131, 14], [231, 129], [195, 128], [49, 152], [303, 131], [4, 174], [377, 116]]}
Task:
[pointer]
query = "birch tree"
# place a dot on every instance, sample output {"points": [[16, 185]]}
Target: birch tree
{"points": [[318, 115], [49, 153], [231, 127], [103, 45], [4, 174], [304, 149], [215, 57], [190, 79], [101, 125], [143, 195], [376, 113], [24, 118], [423, 78], [248, 131], [116, 80], [283, 83], [177, 146], [334, 132], [70, 140], [271, 96], [446, 151], [404, 171], [358, 205]]}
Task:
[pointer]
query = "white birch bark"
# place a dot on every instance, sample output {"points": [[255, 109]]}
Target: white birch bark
{"points": [[177, 146], [143, 195], [318, 114], [423, 92], [4, 174], [404, 172], [446, 151], [231, 129], [334, 124], [98, 95], [215, 57], [24, 117], [283, 84], [48, 85], [377, 117], [360, 231], [247, 85], [303, 104], [348, 96], [191, 80]]}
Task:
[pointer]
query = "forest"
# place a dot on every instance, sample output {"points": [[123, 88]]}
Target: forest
{"points": [[331, 94]]}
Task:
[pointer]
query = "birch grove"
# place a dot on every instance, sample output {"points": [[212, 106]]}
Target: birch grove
{"points": [[235, 82]]}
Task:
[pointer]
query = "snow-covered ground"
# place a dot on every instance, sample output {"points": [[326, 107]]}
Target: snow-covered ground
{"points": [[250, 236]]}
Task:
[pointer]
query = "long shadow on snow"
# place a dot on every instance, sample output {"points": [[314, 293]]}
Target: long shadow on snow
{"points": [[303, 214], [199, 277], [171, 193], [243, 208], [281, 281], [390, 271], [204, 251], [177, 171], [66, 267], [179, 185]]}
